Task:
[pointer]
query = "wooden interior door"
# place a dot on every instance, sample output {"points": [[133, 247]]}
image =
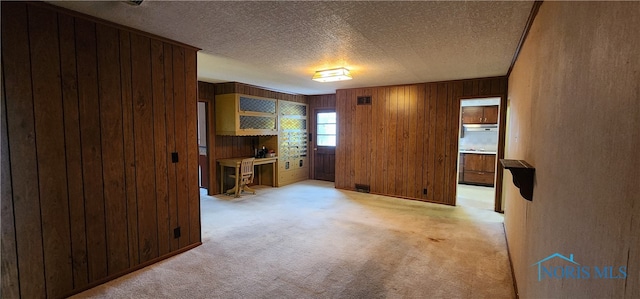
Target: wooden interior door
{"points": [[324, 149]]}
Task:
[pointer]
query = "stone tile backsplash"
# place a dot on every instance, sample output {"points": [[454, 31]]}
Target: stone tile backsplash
{"points": [[479, 140]]}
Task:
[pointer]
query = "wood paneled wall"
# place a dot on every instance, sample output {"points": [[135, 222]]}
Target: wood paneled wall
{"points": [[222, 147], [407, 139], [90, 116], [327, 101]]}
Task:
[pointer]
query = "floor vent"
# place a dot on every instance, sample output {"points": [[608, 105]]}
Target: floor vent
{"points": [[363, 188]]}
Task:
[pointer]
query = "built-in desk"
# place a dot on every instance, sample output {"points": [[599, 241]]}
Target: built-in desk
{"points": [[235, 163]]}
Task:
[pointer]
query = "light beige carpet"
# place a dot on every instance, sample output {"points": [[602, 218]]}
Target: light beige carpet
{"points": [[309, 240]]}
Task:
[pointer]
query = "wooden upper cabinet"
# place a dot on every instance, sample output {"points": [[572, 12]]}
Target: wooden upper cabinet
{"points": [[472, 115], [480, 115], [490, 114], [243, 115]]}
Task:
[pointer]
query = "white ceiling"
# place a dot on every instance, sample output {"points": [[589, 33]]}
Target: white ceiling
{"points": [[280, 44]]}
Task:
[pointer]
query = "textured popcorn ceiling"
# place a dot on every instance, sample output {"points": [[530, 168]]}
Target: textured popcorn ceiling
{"points": [[280, 44]]}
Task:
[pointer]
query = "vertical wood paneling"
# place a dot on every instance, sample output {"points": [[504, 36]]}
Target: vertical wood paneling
{"points": [[378, 102], [344, 131], [383, 94], [160, 150], [24, 170], [431, 150], [351, 131], [421, 138], [73, 150], [497, 86], [359, 136], [411, 157], [129, 147], [410, 136], [448, 140], [84, 150], [112, 148], [484, 86], [50, 147], [440, 136], [171, 144], [90, 135], [192, 154], [454, 129], [406, 163], [467, 88], [398, 139], [368, 158], [340, 148], [392, 146], [144, 147], [181, 147], [10, 282]]}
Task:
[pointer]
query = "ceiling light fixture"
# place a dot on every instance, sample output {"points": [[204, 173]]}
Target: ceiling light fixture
{"points": [[332, 75]]}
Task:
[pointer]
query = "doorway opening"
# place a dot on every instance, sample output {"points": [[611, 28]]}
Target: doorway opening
{"points": [[477, 152], [203, 161]]}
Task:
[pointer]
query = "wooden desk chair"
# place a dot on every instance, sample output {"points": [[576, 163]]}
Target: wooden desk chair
{"points": [[246, 178]]}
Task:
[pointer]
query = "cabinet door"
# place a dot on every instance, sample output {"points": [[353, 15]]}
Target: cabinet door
{"points": [[293, 109], [489, 163], [252, 122], [490, 115], [472, 115], [473, 162], [256, 105]]}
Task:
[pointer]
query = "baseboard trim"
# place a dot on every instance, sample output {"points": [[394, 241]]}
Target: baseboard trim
{"points": [[133, 269], [402, 197], [513, 273]]}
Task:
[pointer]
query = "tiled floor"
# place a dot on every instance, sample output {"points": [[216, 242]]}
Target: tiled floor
{"points": [[475, 197]]}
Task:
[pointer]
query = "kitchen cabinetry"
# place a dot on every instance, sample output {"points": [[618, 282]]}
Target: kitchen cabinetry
{"points": [[480, 115], [477, 169], [243, 115], [293, 161]]}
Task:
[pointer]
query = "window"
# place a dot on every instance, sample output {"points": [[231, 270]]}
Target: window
{"points": [[326, 130]]}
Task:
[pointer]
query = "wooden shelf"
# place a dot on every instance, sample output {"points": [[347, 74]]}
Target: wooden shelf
{"points": [[523, 174]]}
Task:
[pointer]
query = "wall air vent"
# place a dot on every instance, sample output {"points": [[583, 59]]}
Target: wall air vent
{"points": [[363, 188], [135, 2], [364, 100]]}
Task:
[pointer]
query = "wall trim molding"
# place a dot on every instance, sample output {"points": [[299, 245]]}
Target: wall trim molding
{"points": [[525, 33]]}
